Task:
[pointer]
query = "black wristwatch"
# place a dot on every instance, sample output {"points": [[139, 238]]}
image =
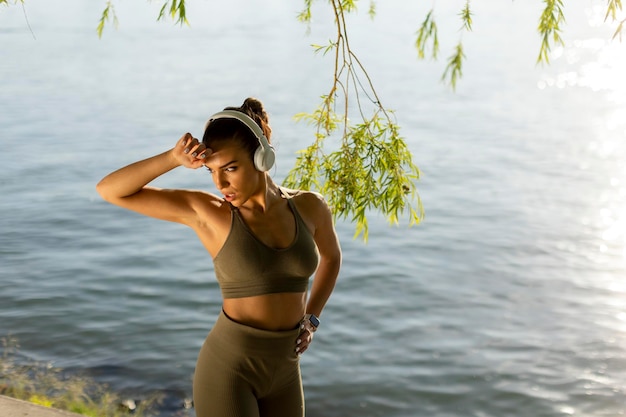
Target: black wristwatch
{"points": [[312, 318]]}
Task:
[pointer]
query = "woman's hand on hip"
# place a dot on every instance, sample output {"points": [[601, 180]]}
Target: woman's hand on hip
{"points": [[305, 337], [190, 152]]}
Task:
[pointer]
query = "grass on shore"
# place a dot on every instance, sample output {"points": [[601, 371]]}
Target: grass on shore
{"points": [[48, 386]]}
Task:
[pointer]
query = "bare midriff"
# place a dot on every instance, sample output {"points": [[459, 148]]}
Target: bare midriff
{"points": [[282, 311]]}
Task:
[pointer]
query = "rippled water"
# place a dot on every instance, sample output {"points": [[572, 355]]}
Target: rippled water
{"points": [[510, 298]]}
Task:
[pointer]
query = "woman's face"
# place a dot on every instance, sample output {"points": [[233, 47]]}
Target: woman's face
{"points": [[233, 172]]}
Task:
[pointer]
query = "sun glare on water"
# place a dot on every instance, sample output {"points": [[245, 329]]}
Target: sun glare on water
{"points": [[597, 62], [593, 64], [605, 72]]}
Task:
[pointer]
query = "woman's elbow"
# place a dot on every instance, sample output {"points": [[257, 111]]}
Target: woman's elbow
{"points": [[101, 189], [105, 191], [332, 260]]}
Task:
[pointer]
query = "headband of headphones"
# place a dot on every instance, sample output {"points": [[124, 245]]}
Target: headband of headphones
{"points": [[264, 155]]}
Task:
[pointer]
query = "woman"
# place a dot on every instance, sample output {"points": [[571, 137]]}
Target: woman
{"points": [[265, 241]]}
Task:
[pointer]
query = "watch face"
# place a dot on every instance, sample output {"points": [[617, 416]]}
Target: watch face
{"points": [[314, 320]]}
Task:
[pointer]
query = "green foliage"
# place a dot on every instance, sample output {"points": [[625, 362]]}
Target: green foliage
{"points": [[618, 31], [466, 17], [108, 10], [176, 10], [45, 385], [371, 168], [455, 66], [305, 15], [550, 28], [347, 5], [372, 9], [612, 9], [427, 32], [324, 49]]}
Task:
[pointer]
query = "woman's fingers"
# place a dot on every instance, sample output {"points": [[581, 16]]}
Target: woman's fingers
{"points": [[206, 153], [190, 144], [303, 341], [191, 152], [200, 153], [196, 149], [183, 140]]}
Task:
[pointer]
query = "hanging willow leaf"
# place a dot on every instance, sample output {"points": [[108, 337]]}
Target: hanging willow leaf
{"points": [[618, 31], [466, 17], [550, 28], [612, 8], [454, 69], [426, 32], [347, 5], [305, 15], [109, 9], [176, 9], [372, 9]]}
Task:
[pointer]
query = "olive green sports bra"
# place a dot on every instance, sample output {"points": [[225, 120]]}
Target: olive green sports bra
{"points": [[246, 267]]}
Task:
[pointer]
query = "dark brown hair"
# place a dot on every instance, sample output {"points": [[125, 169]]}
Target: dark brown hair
{"points": [[222, 130]]}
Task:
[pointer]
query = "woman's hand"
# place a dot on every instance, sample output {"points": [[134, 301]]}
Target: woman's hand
{"points": [[190, 152], [305, 337]]}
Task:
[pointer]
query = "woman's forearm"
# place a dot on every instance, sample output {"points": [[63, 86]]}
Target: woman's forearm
{"points": [[132, 178], [323, 285]]}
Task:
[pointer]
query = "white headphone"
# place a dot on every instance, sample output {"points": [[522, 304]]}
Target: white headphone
{"points": [[264, 155]]}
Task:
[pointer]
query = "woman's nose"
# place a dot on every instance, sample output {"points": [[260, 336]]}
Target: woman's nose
{"points": [[220, 181]]}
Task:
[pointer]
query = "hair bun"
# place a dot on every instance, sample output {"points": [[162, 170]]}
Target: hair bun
{"points": [[254, 106], [255, 110]]}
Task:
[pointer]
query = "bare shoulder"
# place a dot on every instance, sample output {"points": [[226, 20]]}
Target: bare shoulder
{"points": [[308, 201], [318, 216], [207, 204], [313, 209]]}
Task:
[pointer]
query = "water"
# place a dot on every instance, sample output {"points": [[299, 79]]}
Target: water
{"points": [[508, 300]]}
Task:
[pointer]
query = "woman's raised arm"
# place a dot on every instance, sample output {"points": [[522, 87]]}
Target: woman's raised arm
{"points": [[128, 186]]}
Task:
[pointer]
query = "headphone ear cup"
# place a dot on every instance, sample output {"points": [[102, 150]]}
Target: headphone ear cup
{"points": [[264, 158]]}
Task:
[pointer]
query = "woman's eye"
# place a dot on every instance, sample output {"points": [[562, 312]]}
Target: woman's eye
{"points": [[229, 169]]}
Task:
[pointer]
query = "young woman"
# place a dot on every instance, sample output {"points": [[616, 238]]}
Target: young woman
{"points": [[265, 241]]}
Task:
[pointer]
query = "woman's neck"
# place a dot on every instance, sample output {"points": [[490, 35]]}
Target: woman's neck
{"points": [[268, 196]]}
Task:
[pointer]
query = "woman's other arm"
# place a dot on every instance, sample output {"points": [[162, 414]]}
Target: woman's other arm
{"points": [[330, 258], [328, 269]]}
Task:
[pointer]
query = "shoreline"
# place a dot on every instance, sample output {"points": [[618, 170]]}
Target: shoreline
{"points": [[12, 407]]}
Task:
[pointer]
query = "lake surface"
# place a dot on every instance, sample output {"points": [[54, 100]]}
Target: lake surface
{"points": [[508, 300]]}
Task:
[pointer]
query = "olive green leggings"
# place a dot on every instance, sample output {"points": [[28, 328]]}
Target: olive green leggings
{"points": [[247, 372]]}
